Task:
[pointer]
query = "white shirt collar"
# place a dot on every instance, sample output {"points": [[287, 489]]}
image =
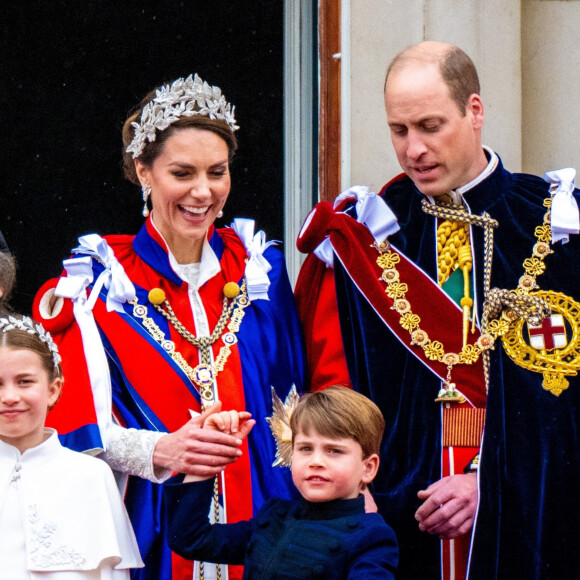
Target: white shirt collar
{"points": [[457, 193], [209, 265], [38, 453]]}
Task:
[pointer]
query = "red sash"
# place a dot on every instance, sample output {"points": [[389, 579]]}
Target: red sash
{"points": [[440, 317]]}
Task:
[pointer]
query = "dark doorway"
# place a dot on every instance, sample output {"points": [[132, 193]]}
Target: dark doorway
{"points": [[71, 71]]}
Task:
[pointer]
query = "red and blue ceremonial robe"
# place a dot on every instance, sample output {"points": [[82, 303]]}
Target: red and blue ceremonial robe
{"points": [[150, 390]]}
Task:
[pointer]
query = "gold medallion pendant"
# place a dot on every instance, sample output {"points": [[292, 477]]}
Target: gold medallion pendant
{"points": [[551, 347], [545, 347]]}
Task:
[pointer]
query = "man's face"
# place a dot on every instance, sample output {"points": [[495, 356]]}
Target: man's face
{"points": [[438, 147]]}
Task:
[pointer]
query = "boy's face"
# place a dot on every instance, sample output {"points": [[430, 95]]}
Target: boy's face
{"points": [[25, 395], [324, 469]]}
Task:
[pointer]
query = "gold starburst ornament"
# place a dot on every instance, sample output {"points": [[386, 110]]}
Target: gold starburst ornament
{"points": [[280, 426]]}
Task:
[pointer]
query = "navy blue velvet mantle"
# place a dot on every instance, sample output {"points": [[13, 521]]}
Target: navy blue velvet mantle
{"points": [[530, 466]]}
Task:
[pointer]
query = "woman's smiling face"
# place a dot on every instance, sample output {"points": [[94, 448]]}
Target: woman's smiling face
{"points": [[190, 183]]}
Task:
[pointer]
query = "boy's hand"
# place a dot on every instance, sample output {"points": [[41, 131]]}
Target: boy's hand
{"points": [[230, 422], [238, 424]]}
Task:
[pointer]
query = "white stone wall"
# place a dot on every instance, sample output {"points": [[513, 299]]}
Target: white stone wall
{"points": [[551, 85], [488, 30]]}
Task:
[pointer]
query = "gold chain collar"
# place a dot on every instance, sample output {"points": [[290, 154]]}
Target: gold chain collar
{"points": [[205, 373], [501, 307]]}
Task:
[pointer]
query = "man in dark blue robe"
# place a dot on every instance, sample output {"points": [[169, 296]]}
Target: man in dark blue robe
{"points": [[527, 503]]}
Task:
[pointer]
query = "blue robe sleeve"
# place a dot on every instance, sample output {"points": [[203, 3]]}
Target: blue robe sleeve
{"points": [[190, 534]]}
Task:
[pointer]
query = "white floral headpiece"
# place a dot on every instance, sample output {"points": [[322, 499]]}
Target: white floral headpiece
{"points": [[183, 98], [27, 325]]}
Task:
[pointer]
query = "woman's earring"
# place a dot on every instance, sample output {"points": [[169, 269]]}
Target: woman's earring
{"points": [[146, 193], [220, 214]]}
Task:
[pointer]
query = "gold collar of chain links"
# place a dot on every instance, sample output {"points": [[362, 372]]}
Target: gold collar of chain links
{"points": [[501, 307], [205, 373]]}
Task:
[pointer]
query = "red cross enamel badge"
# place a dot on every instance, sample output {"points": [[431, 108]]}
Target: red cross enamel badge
{"points": [[549, 334]]}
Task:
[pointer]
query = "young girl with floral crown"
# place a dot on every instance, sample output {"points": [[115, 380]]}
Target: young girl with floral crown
{"points": [[61, 515]]}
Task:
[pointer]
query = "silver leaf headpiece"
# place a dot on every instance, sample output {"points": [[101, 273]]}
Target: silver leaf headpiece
{"points": [[183, 98], [27, 325]]}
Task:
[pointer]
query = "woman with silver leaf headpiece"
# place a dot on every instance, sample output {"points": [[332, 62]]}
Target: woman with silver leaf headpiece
{"points": [[168, 322]]}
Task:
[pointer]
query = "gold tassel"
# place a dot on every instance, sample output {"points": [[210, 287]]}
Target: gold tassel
{"points": [[465, 263]]}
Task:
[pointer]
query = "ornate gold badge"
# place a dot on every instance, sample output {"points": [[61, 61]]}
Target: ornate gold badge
{"points": [[544, 347], [547, 349]]}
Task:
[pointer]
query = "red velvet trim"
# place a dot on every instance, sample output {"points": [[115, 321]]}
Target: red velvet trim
{"points": [[318, 310], [440, 317], [62, 320], [313, 234]]}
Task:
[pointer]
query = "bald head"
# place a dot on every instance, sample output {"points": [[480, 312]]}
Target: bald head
{"points": [[454, 65]]}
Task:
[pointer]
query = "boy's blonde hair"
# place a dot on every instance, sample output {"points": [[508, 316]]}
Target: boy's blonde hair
{"points": [[340, 413]]}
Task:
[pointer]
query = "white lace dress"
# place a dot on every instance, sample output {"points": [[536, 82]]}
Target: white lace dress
{"points": [[61, 516]]}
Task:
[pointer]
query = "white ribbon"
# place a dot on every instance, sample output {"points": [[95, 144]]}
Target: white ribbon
{"points": [[74, 286], [565, 219], [120, 288], [371, 211], [257, 267]]}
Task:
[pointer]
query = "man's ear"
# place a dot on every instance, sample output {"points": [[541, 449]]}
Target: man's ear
{"points": [[475, 108], [371, 466]]}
